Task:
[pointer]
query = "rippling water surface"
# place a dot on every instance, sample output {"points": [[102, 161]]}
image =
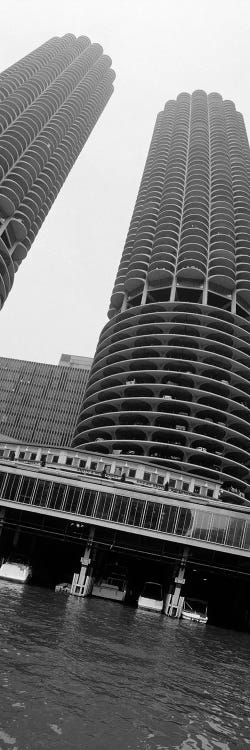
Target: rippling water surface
{"points": [[93, 675]]}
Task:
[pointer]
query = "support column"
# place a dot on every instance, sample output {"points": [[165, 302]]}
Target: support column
{"points": [[144, 293], [205, 292], [2, 517], [82, 582], [233, 302], [173, 290], [16, 536], [174, 601], [124, 303]]}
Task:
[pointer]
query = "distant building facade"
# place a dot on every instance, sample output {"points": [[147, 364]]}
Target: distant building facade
{"points": [[73, 360], [50, 102], [40, 402]]}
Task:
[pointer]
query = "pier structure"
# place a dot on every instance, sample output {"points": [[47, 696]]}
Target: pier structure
{"points": [[123, 508]]}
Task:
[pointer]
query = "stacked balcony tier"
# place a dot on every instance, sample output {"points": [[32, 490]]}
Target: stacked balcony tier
{"points": [[172, 383], [50, 102], [191, 223]]}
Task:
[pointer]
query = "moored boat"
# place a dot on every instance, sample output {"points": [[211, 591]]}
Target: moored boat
{"points": [[195, 610], [112, 586], [151, 597], [15, 570]]}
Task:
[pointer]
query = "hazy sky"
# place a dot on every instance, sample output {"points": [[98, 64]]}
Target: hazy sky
{"points": [[60, 296]]}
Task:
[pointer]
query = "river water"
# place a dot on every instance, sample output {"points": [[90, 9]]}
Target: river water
{"points": [[93, 675]]}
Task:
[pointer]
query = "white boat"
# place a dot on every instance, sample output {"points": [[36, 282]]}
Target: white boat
{"points": [[151, 597], [195, 610], [19, 572], [63, 588], [113, 586]]}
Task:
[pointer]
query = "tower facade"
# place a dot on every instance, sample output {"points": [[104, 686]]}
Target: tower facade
{"points": [[49, 103], [171, 376]]}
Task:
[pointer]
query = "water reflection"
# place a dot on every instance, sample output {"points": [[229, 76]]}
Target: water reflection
{"points": [[100, 676]]}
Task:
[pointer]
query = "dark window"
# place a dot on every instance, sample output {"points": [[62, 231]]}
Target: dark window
{"points": [[246, 544], [196, 489], [132, 473], [82, 464], [27, 487], [12, 455], [57, 496], [201, 525], [2, 480], [104, 504], [21, 455], [69, 461], [168, 519], [218, 529], [33, 457], [120, 509], [210, 493], [41, 493], [43, 459], [172, 483], [93, 465], [185, 486], [135, 512], [152, 515], [184, 521], [146, 476], [55, 459], [2, 452], [87, 503], [160, 480], [72, 499], [235, 532], [11, 487]]}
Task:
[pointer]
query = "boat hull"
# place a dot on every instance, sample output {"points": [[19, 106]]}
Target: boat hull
{"points": [[154, 605], [18, 572], [105, 591], [194, 617]]}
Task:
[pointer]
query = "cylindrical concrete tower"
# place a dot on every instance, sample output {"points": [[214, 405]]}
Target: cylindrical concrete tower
{"points": [[49, 103], [171, 375]]}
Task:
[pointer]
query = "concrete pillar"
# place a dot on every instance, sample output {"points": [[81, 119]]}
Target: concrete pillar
{"points": [[205, 292], [16, 536], [82, 582], [233, 302], [144, 293], [2, 517], [174, 601], [173, 291], [124, 303]]}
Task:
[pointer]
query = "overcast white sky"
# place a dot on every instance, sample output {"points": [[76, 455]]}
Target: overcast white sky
{"points": [[60, 296]]}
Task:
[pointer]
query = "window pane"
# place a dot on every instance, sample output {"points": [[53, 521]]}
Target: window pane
{"points": [[201, 524], [246, 544], [57, 496], [103, 505], [135, 512], [151, 518], [87, 503], [72, 499], [184, 522], [234, 532], [2, 480], [11, 487], [119, 511], [27, 487], [218, 529], [41, 493], [168, 518]]}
